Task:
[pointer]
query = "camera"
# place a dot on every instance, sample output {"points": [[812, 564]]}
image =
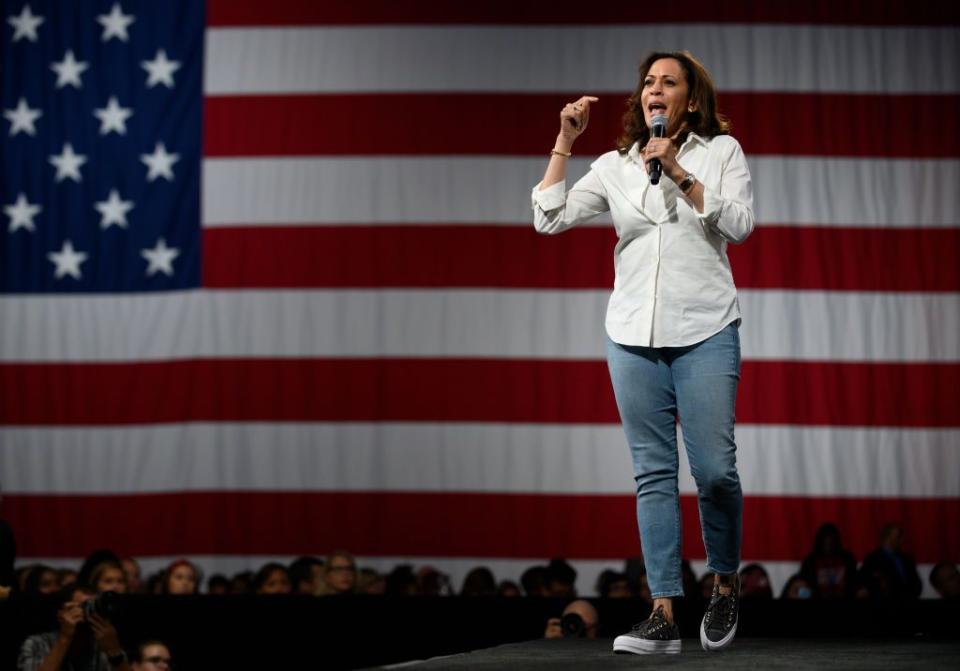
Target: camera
{"points": [[103, 604], [573, 626]]}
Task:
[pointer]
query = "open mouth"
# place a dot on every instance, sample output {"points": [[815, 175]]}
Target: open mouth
{"points": [[657, 108]]}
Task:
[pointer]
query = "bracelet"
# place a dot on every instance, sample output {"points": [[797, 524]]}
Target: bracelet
{"points": [[557, 152], [687, 183]]}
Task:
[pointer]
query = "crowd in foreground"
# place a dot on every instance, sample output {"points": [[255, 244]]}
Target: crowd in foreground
{"points": [[86, 635], [829, 571]]}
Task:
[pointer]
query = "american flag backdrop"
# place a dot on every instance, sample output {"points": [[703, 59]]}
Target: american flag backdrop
{"points": [[270, 284]]}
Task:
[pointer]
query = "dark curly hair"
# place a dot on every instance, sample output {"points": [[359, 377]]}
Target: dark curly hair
{"points": [[704, 120]]}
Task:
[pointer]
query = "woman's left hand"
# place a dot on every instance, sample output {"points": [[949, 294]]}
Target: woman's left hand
{"points": [[663, 149]]}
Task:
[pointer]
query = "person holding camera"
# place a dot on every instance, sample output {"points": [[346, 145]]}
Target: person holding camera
{"points": [[86, 640], [579, 620]]}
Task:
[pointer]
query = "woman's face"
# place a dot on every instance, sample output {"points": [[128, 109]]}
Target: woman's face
{"points": [[48, 583], [276, 583], [132, 571], [665, 91], [182, 581], [341, 574], [112, 580]]}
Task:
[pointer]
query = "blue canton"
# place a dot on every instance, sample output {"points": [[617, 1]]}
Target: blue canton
{"points": [[101, 145]]}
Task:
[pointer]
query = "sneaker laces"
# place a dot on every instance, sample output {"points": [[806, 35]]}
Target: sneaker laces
{"points": [[657, 620], [720, 610]]}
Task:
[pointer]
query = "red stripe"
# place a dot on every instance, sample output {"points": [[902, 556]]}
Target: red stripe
{"points": [[407, 256], [771, 392], [566, 12], [445, 524], [526, 124], [848, 259], [842, 259]]}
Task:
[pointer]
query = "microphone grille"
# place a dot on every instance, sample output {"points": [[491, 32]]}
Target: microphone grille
{"points": [[659, 120]]}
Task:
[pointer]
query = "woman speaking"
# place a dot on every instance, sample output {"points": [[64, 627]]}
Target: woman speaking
{"points": [[678, 190]]}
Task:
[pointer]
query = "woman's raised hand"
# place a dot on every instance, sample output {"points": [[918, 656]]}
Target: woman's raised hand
{"points": [[574, 118]]}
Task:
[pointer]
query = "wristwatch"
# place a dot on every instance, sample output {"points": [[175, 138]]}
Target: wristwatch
{"points": [[687, 182]]}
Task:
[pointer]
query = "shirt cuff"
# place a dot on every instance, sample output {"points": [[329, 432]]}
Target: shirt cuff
{"points": [[712, 204], [550, 198]]}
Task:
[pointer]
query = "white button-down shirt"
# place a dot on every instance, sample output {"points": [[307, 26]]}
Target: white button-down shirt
{"points": [[673, 283]]}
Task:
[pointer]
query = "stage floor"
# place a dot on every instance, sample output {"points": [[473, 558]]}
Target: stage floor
{"points": [[749, 654]]}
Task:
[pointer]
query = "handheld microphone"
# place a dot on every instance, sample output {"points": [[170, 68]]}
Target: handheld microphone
{"points": [[657, 129]]}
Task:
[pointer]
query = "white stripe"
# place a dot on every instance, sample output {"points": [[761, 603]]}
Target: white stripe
{"points": [[454, 457], [850, 326], [430, 190], [456, 569], [581, 58], [535, 324]]}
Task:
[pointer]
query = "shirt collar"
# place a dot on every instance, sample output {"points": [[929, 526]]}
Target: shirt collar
{"points": [[693, 137]]}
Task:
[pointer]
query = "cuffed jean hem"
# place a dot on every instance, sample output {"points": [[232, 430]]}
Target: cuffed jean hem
{"points": [[667, 595], [710, 569]]}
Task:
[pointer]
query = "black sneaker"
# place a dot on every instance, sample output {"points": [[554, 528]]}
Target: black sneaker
{"points": [[652, 635], [719, 624]]}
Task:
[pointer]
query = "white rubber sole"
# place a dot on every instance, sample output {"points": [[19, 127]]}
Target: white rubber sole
{"points": [[639, 646], [713, 646]]}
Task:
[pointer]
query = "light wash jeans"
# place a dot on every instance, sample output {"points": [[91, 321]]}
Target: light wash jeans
{"points": [[699, 383]]}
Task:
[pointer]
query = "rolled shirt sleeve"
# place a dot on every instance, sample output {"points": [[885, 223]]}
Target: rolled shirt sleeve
{"points": [[729, 210], [555, 209]]}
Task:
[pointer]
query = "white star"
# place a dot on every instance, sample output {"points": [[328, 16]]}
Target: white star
{"points": [[115, 24], [68, 164], [160, 163], [113, 117], [25, 25], [22, 118], [21, 214], [113, 210], [69, 70], [160, 70], [67, 261], [160, 258]]}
